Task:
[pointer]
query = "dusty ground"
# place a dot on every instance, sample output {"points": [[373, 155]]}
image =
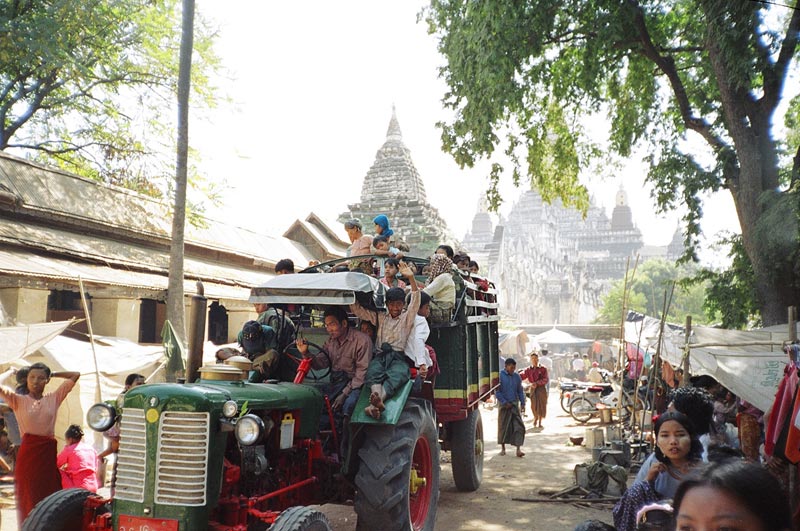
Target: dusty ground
{"points": [[549, 464]]}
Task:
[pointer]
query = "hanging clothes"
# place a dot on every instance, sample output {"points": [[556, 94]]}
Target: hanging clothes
{"points": [[782, 408], [792, 449]]}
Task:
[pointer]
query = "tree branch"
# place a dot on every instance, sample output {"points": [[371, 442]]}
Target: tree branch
{"points": [[775, 77], [666, 65]]}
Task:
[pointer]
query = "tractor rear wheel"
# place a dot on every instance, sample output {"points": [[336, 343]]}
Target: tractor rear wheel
{"points": [[397, 483], [61, 511], [466, 447], [301, 519]]}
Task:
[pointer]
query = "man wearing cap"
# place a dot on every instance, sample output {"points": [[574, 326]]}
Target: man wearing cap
{"points": [[511, 397], [259, 343]]}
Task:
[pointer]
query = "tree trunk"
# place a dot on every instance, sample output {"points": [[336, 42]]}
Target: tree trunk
{"points": [[748, 123], [757, 176], [175, 299]]}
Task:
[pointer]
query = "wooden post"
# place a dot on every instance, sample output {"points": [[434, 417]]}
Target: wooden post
{"points": [[793, 494], [686, 352]]}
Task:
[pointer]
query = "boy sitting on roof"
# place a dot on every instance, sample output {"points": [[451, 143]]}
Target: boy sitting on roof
{"points": [[389, 369]]}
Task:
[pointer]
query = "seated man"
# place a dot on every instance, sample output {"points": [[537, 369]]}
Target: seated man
{"points": [[259, 342], [389, 369], [350, 351]]}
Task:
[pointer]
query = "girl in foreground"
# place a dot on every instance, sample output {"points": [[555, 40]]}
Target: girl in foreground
{"points": [[732, 495]]}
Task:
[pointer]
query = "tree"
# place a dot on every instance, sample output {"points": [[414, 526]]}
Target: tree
{"points": [[730, 293], [650, 284], [176, 308], [668, 73], [88, 85]]}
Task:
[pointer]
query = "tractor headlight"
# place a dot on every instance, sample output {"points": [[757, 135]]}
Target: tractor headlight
{"points": [[229, 408], [101, 417], [249, 430]]}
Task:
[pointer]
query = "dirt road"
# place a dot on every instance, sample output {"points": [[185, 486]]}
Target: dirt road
{"points": [[549, 464]]}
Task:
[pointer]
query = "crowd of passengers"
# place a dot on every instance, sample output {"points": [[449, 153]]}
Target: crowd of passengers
{"points": [[386, 349]]}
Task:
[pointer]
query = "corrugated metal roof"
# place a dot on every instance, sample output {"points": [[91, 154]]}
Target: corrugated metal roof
{"points": [[24, 263], [70, 195], [87, 201]]}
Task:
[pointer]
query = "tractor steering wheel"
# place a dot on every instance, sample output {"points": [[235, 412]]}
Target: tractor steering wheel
{"points": [[314, 350]]}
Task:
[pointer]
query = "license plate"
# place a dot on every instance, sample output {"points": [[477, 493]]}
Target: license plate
{"points": [[135, 523]]}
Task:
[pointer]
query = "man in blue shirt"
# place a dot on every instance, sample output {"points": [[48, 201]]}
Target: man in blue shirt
{"points": [[510, 428]]}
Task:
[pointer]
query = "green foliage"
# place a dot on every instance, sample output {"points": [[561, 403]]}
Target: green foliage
{"points": [[649, 286], [667, 73], [731, 293], [89, 86]]}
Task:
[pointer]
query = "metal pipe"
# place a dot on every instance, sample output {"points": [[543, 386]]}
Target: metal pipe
{"points": [[197, 332]]}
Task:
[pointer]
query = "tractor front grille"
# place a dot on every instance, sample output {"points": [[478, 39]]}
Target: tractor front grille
{"points": [[132, 456], [182, 460]]}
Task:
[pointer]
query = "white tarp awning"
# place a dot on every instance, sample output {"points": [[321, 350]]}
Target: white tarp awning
{"points": [[751, 372], [554, 336], [19, 341]]}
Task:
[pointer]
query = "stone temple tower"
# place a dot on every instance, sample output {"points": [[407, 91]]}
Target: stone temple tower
{"points": [[393, 187]]}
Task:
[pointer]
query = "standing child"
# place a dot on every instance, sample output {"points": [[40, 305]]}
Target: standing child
{"points": [[391, 268], [77, 462], [415, 347]]}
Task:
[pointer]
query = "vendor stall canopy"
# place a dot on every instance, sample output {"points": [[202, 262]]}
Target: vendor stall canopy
{"points": [[749, 363], [554, 336]]}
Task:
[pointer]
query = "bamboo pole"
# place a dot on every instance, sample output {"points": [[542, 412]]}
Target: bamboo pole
{"points": [[97, 394], [686, 351]]}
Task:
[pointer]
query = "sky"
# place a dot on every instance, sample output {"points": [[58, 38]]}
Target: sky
{"points": [[311, 88]]}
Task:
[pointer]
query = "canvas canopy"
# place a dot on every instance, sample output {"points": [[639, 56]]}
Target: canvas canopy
{"points": [[19, 341], [749, 363], [554, 336], [321, 288], [116, 359], [513, 343]]}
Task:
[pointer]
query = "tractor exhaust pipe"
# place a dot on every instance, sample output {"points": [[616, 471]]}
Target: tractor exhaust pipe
{"points": [[197, 332]]}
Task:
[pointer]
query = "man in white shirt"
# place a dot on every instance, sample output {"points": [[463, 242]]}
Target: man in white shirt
{"points": [[415, 347], [578, 367]]}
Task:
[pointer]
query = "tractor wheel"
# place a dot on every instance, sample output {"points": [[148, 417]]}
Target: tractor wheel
{"points": [[466, 446], [61, 511], [397, 483], [582, 410], [301, 519]]}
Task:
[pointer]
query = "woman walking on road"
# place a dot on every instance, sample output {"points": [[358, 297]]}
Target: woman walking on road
{"points": [[36, 475], [537, 376]]}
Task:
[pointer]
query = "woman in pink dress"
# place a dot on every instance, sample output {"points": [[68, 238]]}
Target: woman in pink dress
{"points": [[36, 475], [77, 462]]}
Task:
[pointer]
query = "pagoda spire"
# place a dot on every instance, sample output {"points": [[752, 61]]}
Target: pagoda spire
{"points": [[394, 133]]}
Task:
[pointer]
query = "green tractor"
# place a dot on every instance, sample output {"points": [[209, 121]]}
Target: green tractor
{"points": [[224, 454]]}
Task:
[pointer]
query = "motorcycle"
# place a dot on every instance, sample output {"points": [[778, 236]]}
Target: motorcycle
{"points": [[587, 404], [569, 389]]}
